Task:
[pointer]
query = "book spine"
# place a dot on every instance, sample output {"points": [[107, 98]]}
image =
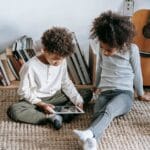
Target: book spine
{"points": [[2, 78], [72, 71], [82, 63], [76, 64], [8, 70], [12, 69], [4, 73], [93, 58]]}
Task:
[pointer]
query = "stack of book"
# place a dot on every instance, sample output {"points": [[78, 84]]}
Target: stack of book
{"points": [[13, 58]]}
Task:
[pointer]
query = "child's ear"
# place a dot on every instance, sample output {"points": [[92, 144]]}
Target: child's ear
{"points": [[45, 50], [42, 50]]}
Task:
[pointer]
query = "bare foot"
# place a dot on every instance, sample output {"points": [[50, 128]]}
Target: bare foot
{"points": [[145, 97]]}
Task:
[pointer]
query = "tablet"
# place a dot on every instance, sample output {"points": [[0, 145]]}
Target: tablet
{"points": [[68, 110]]}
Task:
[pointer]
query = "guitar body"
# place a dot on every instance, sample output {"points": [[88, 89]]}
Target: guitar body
{"points": [[140, 19]]}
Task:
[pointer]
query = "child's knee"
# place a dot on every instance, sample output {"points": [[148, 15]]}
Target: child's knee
{"points": [[13, 112]]}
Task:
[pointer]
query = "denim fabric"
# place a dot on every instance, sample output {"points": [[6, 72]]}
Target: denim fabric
{"points": [[109, 105]]}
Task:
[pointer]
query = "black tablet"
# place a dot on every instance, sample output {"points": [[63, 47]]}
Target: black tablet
{"points": [[68, 110]]}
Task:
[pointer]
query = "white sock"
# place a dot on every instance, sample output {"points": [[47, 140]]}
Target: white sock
{"points": [[90, 144], [83, 135]]}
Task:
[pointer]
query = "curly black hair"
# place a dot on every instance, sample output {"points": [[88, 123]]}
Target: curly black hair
{"points": [[113, 29], [58, 40]]}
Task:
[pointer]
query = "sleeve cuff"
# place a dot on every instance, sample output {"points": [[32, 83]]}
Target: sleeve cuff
{"points": [[35, 101]]}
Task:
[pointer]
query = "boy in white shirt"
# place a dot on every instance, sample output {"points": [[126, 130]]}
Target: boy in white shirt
{"points": [[42, 79]]}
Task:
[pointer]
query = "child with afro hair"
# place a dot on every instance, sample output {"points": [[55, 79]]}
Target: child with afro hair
{"points": [[119, 70], [45, 82]]}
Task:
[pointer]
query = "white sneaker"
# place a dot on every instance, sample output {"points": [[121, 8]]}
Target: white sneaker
{"points": [[90, 144]]}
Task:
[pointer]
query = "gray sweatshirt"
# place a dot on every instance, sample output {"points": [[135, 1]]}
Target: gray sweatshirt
{"points": [[120, 71]]}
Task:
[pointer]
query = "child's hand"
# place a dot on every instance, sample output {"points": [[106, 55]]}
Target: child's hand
{"points": [[145, 97], [47, 108], [80, 105], [96, 90]]}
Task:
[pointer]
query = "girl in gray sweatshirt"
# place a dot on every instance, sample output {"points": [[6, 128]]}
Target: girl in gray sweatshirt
{"points": [[118, 74]]}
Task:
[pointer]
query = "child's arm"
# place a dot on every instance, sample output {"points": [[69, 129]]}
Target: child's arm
{"points": [[138, 80], [26, 92], [136, 66], [27, 85], [69, 88], [47, 108]]}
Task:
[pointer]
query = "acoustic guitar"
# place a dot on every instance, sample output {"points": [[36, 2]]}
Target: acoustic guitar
{"points": [[141, 20]]}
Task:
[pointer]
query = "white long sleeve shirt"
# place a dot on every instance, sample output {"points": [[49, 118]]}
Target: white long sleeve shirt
{"points": [[39, 80]]}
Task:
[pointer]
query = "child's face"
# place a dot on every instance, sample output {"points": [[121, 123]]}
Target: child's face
{"points": [[53, 59], [107, 50]]}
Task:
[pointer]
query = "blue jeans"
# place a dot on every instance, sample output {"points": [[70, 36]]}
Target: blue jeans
{"points": [[109, 105]]}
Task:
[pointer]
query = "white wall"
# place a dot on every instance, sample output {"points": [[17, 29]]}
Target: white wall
{"points": [[33, 17]]}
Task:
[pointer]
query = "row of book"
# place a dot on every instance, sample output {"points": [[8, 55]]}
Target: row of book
{"points": [[12, 59], [22, 50]]}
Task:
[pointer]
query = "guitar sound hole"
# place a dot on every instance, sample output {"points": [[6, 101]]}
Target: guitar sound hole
{"points": [[146, 31]]}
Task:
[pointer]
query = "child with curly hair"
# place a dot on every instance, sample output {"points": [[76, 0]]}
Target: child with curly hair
{"points": [[45, 82], [119, 70]]}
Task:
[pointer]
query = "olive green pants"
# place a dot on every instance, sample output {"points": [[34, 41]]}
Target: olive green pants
{"points": [[24, 111]]}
